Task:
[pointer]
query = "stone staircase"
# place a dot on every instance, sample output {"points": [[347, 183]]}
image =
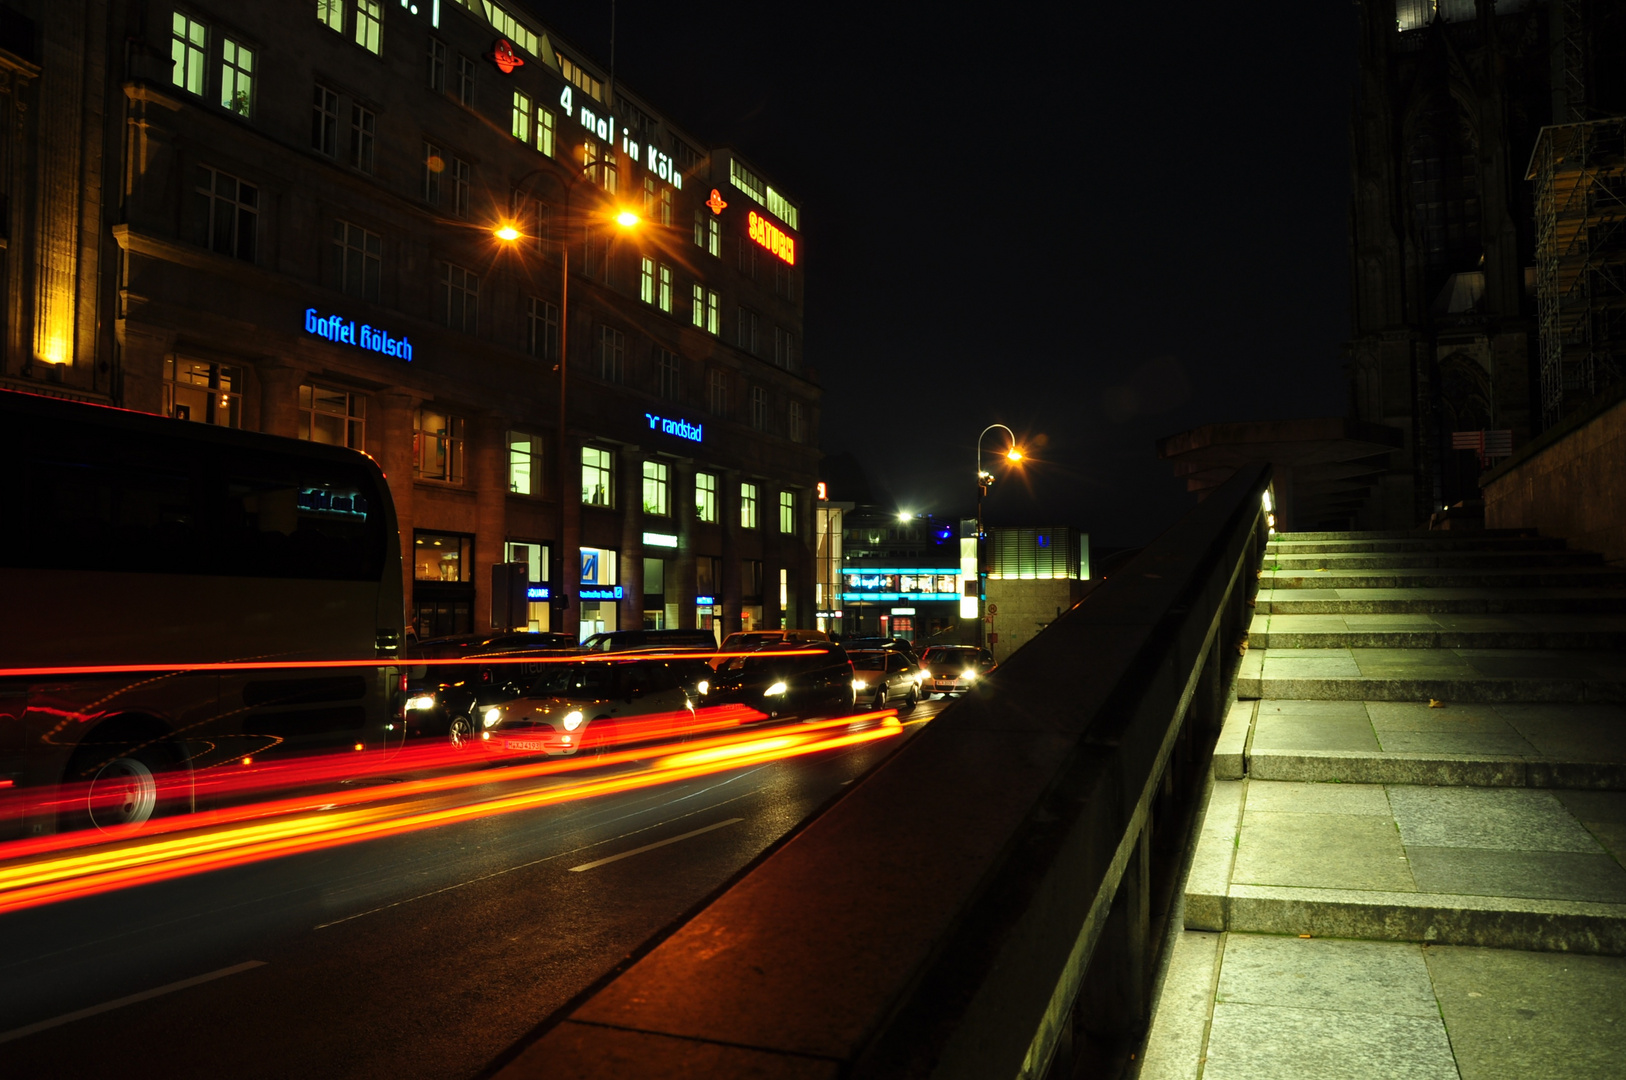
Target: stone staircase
{"points": [[1428, 749]]}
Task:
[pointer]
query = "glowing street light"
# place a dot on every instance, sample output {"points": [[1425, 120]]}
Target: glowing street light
{"points": [[1015, 456], [626, 219], [506, 232]]}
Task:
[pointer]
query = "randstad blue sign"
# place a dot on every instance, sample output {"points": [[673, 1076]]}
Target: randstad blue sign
{"points": [[343, 331], [681, 428]]}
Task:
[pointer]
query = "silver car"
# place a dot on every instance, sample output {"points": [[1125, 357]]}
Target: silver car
{"points": [[596, 705]]}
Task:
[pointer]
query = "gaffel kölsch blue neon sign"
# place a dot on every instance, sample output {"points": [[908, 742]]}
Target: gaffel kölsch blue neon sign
{"points": [[681, 428], [342, 331]]}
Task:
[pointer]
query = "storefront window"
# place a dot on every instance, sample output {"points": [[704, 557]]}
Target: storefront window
{"points": [[203, 392]]}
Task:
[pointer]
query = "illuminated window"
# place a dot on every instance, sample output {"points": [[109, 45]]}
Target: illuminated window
{"points": [[748, 506], [460, 187], [712, 309], [663, 289], [357, 255], [784, 349], [325, 122], [787, 511], [437, 445], [717, 392], [705, 497], [457, 297], [524, 464], [697, 309], [544, 131], [442, 557], [228, 214], [783, 210], [794, 422], [714, 236], [202, 392], [747, 181], [611, 348], [646, 280], [608, 172], [746, 336], [520, 118], [598, 476], [433, 166], [370, 24], [437, 65], [362, 123], [332, 416], [759, 408], [330, 13], [465, 80], [237, 77], [656, 476], [542, 329], [580, 79], [187, 38], [666, 206], [666, 374], [511, 28]]}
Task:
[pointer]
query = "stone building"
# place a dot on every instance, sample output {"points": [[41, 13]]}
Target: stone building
{"points": [[351, 221], [1450, 100]]}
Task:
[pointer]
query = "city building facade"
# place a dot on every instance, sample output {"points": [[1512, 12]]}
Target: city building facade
{"points": [[1451, 100], [569, 332]]}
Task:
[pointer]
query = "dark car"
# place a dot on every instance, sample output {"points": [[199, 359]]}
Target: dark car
{"points": [[783, 685], [884, 676], [892, 644], [594, 705], [625, 640], [445, 700], [954, 669]]}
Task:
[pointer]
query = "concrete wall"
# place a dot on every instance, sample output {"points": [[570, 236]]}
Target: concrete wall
{"points": [[1027, 606], [1570, 482]]}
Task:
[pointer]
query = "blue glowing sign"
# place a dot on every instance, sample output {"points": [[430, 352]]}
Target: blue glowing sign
{"points": [[589, 566], [343, 331], [681, 428], [705, 601], [538, 592], [602, 594]]}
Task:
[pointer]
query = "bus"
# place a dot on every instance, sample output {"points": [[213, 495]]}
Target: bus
{"points": [[133, 539]]}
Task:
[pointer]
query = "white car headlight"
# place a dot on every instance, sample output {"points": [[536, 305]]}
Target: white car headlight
{"points": [[920, 676], [573, 719], [420, 701], [970, 676], [859, 684], [492, 716], [776, 689], [703, 686]]}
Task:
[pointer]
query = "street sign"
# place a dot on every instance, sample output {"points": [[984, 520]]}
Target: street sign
{"points": [[993, 609], [993, 639]]}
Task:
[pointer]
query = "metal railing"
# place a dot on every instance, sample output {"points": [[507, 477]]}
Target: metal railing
{"points": [[984, 903]]}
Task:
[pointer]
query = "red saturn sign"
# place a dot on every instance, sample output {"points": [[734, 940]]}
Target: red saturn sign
{"points": [[502, 54]]}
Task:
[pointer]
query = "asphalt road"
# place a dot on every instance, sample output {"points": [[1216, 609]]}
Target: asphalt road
{"points": [[425, 955]]}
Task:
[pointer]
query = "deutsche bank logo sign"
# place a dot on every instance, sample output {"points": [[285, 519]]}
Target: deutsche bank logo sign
{"points": [[342, 331], [681, 428]]}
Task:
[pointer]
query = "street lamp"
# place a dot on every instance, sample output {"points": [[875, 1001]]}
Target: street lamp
{"points": [[508, 232], [1014, 455]]}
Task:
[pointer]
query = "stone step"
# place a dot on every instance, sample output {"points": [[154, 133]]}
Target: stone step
{"points": [[1352, 601], [1435, 536], [1447, 675], [1432, 560], [1446, 578], [1438, 631], [1506, 868], [1467, 542], [1404, 742]]}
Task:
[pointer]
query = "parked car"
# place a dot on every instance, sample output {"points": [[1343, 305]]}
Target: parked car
{"points": [[784, 686], [445, 700], [623, 640], [954, 669], [756, 639], [595, 705], [884, 676]]}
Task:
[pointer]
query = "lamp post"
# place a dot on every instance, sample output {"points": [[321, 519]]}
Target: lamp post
{"points": [[508, 232], [1013, 454]]}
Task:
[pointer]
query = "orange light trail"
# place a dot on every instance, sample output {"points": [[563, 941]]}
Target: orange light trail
{"points": [[254, 834]]}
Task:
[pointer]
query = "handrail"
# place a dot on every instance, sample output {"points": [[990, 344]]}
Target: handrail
{"points": [[979, 905]]}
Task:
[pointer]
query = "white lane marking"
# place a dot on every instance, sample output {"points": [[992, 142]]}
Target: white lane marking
{"points": [[109, 1006], [656, 844]]}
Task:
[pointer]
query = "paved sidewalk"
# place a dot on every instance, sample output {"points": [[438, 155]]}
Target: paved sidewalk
{"points": [[1412, 862]]}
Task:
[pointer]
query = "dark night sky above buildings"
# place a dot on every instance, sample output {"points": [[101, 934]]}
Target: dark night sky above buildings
{"points": [[1098, 224]]}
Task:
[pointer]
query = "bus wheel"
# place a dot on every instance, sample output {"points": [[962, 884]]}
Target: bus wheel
{"points": [[122, 792], [460, 731]]}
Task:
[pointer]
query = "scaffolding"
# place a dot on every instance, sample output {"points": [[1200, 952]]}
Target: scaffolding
{"points": [[1580, 175]]}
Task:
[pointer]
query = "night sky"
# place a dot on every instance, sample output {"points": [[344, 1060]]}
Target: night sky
{"points": [[1098, 225]]}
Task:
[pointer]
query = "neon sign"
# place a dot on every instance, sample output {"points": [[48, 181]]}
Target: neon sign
{"points": [[716, 202], [771, 237], [681, 428], [502, 54], [705, 601], [343, 331], [605, 127], [824, 492], [538, 592], [602, 594]]}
